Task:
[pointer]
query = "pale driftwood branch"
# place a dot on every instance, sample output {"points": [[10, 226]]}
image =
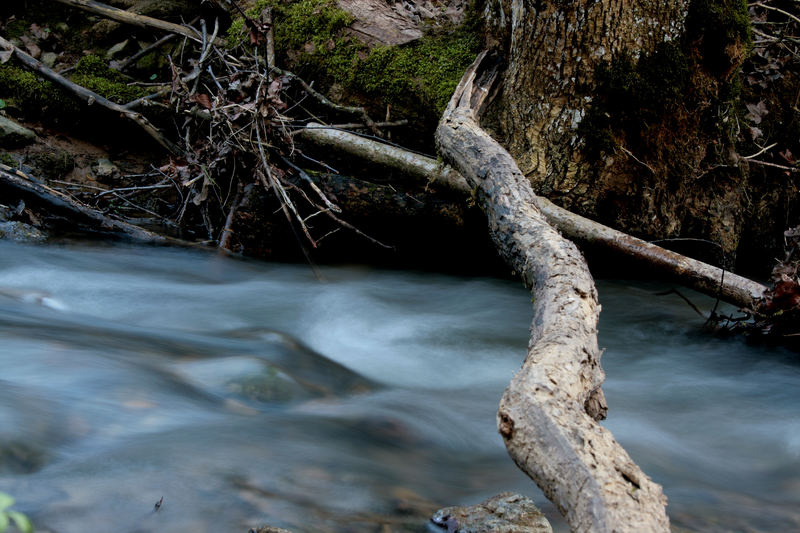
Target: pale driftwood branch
{"points": [[88, 96], [142, 21], [692, 273], [409, 163], [548, 413], [266, 16]]}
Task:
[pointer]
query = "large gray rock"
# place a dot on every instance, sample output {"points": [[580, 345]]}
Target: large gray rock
{"points": [[504, 513], [12, 134]]}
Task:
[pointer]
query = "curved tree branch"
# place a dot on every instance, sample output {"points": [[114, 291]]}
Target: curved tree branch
{"points": [[548, 413]]}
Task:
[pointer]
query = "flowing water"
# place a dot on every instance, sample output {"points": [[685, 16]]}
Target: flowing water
{"points": [[245, 393]]}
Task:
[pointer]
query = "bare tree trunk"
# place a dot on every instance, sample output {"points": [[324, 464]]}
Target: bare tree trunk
{"points": [[644, 169], [548, 413]]}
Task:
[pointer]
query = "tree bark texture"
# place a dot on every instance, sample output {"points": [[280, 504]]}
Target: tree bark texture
{"points": [[674, 176], [548, 414]]}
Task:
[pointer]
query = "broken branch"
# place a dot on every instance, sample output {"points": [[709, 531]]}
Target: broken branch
{"points": [[134, 19], [548, 414], [88, 96]]}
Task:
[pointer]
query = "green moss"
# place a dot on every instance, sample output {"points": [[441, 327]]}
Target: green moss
{"points": [[694, 74], [15, 28], [630, 94], [426, 70], [25, 92], [314, 21], [310, 37], [721, 31], [7, 159], [30, 95], [53, 165], [93, 73]]}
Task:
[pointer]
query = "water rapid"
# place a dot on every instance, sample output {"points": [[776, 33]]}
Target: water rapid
{"points": [[246, 393]]}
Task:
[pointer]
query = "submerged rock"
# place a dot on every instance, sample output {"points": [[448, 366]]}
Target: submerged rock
{"points": [[18, 457], [504, 513]]}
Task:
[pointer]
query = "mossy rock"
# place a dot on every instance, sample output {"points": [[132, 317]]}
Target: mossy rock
{"points": [[27, 94], [53, 165], [12, 134], [93, 73], [416, 79], [21, 232]]}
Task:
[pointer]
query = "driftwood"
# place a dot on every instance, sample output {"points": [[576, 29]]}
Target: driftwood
{"points": [[77, 213], [88, 96], [692, 273], [142, 21], [548, 413]]}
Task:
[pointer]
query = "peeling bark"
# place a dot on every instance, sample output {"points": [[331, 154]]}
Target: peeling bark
{"points": [[548, 413]]}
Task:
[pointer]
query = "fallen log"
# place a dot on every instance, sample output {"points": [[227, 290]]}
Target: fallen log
{"points": [[58, 203], [548, 414], [700, 276], [142, 21]]}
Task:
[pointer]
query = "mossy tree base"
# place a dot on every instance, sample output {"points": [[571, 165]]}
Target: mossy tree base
{"points": [[634, 123]]}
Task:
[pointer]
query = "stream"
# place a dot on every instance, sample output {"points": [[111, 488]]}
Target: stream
{"points": [[246, 393]]}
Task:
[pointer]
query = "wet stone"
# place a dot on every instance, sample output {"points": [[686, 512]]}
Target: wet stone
{"points": [[504, 513], [12, 134], [49, 59], [104, 168], [20, 232]]}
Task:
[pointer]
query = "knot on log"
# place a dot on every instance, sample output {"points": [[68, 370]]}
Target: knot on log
{"points": [[595, 405], [506, 426]]}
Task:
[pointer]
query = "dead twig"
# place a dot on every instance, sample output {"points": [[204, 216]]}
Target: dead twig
{"points": [[127, 17], [322, 99], [227, 231], [146, 50], [88, 96], [356, 125], [266, 16], [330, 205], [774, 165]]}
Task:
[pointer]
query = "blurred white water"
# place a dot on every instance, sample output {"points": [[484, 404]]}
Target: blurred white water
{"points": [[248, 393]]}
